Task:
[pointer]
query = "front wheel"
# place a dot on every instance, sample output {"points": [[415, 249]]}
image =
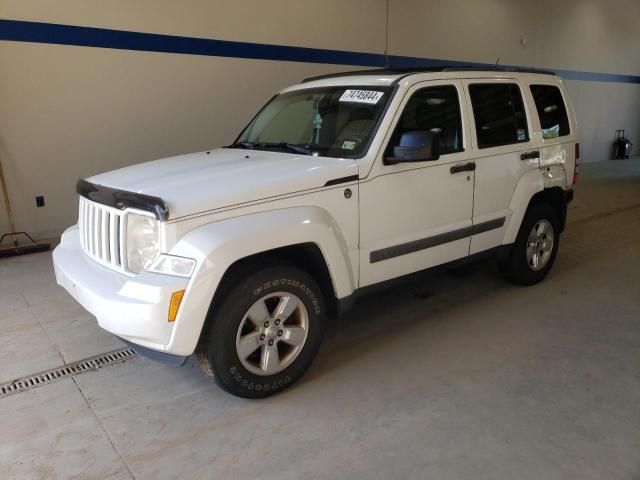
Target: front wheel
{"points": [[265, 333], [536, 246]]}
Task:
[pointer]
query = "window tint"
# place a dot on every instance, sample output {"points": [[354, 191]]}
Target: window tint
{"points": [[551, 111], [499, 114], [437, 110]]}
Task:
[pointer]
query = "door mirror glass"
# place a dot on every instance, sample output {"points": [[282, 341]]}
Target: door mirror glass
{"points": [[415, 146]]}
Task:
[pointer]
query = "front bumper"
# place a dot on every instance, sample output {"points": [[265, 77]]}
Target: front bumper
{"points": [[133, 308]]}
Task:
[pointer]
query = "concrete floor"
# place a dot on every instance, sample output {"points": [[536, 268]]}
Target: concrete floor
{"points": [[462, 376]]}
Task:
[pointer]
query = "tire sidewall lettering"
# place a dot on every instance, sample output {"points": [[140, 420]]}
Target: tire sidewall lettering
{"points": [[293, 283], [253, 385]]}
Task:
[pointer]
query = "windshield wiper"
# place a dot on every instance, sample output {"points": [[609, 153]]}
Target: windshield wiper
{"points": [[268, 145], [248, 145], [285, 146]]}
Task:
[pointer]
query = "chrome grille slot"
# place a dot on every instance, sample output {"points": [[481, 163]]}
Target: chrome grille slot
{"points": [[101, 234]]}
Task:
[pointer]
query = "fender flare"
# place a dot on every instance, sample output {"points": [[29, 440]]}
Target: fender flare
{"points": [[218, 245], [529, 184]]}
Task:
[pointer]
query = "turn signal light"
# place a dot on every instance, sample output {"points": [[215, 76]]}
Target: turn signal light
{"points": [[174, 305]]}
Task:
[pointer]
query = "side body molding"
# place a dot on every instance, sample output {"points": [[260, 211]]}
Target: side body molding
{"points": [[216, 246], [529, 184]]}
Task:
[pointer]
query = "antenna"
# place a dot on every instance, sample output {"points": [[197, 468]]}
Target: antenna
{"points": [[497, 60]]}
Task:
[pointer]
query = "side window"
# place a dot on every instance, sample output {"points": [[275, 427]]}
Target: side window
{"points": [[437, 110], [551, 110], [499, 114]]}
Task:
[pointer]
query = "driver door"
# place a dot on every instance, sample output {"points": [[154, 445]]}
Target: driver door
{"points": [[417, 215]]}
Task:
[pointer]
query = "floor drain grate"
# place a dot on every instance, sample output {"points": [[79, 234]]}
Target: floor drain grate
{"points": [[66, 371]]}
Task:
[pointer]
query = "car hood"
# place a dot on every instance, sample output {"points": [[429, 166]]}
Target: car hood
{"points": [[205, 181]]}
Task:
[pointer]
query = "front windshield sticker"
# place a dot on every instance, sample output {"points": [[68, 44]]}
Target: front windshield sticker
{"points": [[361, 96], [348, 145]]}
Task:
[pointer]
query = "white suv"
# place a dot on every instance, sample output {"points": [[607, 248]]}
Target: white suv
{"points": [[338, 184]]}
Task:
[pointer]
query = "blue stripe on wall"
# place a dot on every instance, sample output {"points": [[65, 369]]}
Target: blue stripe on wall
{"points": [[401, 61], [23, 31]]}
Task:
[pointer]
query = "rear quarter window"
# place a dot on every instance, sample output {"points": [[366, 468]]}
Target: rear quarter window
{"points": [[551, 111]]}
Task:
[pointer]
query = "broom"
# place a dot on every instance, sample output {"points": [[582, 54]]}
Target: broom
{"points": [[16, 248]]}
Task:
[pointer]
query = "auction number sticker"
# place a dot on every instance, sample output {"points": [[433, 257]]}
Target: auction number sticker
{"points": [[361, 96]]}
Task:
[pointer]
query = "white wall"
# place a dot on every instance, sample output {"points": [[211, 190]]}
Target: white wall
{"points": [[68, 112], [583, 35], [596, 36]]}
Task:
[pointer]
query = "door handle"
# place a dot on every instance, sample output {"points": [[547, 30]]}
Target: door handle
{"points": [[463, 167], [530, 155]]}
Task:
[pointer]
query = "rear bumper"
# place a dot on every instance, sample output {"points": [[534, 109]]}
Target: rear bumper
{"points": [[133, 308], [568, 196]]}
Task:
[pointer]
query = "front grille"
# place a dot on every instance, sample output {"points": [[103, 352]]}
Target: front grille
{"points": [[102, 233]]}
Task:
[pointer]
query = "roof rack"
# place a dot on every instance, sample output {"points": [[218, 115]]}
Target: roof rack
{"points": [[410, 70]]}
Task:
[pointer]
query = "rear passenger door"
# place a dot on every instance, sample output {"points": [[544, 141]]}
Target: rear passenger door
{"points": [[502, 141]]}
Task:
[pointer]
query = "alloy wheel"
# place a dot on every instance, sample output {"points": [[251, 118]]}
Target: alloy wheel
{"points": [[272, 333], [540, 245]]}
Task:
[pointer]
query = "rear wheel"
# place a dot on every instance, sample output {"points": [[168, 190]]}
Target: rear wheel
{"points": [[536, 245], [265, 333]]}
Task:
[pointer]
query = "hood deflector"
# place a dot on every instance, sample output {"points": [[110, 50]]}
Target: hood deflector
{"points": [[122, 199]]}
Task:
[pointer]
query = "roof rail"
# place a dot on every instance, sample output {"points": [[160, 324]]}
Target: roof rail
{"points": [[411, 70]]}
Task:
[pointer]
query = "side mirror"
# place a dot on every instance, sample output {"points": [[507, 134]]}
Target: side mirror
{"points": [[416, 146]]}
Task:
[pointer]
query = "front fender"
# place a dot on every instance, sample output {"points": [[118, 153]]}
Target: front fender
{"points": [[216, 246]]}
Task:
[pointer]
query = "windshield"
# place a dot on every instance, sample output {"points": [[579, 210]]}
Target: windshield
{"points": [[328, 121]]}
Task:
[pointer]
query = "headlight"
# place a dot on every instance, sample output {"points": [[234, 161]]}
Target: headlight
{"points": [[172, 265], [143, 242]]}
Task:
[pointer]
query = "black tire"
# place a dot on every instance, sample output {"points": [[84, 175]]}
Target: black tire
{"points": [[217, 352], [516, 267]]}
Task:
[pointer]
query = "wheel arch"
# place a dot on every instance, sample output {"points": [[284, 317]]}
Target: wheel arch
{"points": [[554, 197], [305, 256]]}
